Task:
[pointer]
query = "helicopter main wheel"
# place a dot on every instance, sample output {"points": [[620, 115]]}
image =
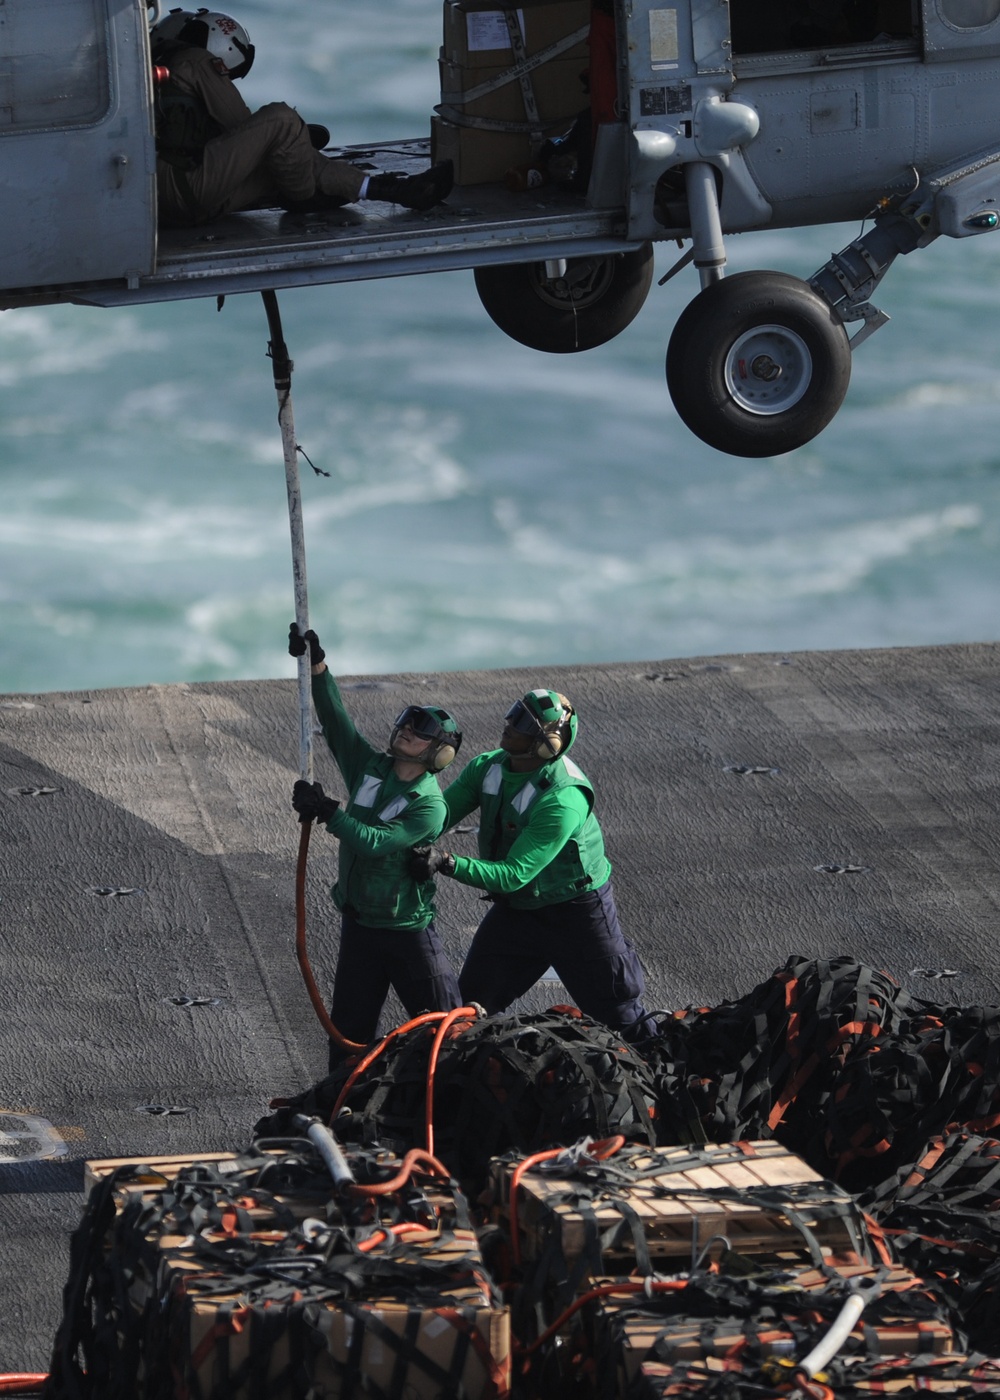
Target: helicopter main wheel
{"points": [[758, 364], [589, 305]]}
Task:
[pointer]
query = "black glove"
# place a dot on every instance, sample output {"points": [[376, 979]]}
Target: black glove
{"points": [[297, 645], [428, 861], [312, 803]]}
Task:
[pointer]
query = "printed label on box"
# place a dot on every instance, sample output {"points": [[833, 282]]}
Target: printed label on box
{"points": [[487, 29]]}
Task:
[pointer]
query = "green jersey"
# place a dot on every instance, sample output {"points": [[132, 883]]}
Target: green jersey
{"points": [[379, 824], [539, 841]]}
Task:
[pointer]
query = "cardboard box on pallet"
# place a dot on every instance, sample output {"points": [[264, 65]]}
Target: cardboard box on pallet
{"points": [[482, 156], [936, 1375], [622, 1329], [756, 1194], [559, 93], [479, 157], [386, 1345], [407, 1346], [478, 38]]}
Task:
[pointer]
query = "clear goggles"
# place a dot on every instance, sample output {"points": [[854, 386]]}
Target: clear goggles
{"points": [[422, 724]]}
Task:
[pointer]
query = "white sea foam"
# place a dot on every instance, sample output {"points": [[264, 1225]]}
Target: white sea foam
{"points": [[157, 530], [37, 344], [945, 395], [485, 503]]}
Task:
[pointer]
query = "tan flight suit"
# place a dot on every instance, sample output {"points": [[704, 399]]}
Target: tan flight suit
{"points": [[260, 156]]}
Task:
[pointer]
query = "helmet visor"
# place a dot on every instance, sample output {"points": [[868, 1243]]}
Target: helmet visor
{"points": [[425, 726], [520, 718]]}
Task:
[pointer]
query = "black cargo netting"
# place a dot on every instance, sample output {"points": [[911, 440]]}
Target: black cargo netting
{"points": [[266, 1275], [746, 1324], [526, 1082], [829, 1057], [940, 1069], [892, 1100], [775, 1056], [904, 1377]]}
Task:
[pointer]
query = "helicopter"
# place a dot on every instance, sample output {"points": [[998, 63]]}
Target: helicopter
{"points": [[728, 116]]}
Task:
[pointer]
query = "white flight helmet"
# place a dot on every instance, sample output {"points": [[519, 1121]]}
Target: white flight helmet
{"points": [[223, 37], [170, 26]]}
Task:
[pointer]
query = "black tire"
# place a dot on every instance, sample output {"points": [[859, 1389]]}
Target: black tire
{"points": [[596, 299], [777, 325]]}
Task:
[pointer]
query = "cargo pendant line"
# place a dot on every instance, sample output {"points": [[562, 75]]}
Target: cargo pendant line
{"points": [[282, 366]]}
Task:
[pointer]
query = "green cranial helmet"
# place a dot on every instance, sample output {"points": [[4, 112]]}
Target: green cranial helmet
{"points": [[548, 718], [433, 723]]}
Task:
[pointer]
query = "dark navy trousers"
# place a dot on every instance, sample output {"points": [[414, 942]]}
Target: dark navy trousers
{"points": [[371, 960], [581, 938]]}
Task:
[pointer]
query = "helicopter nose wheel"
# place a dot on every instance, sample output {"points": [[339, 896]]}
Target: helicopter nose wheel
{"points": [[758, 364]]}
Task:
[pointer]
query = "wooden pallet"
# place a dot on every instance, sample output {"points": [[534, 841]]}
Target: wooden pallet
{"points": [[622, 1329], [959, 1375], [749, 1192], [383, 1335]]}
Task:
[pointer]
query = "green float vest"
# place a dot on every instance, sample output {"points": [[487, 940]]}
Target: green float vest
{"points": [[379, 889], [581, 865]]}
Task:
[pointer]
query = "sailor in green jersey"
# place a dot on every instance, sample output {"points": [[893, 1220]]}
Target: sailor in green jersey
{"points": [[542, 861], [394, 801]]}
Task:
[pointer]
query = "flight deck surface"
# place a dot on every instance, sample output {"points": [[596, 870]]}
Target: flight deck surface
{"points": [[754, 807]]}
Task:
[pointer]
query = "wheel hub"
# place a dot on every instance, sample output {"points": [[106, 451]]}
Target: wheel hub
{"points": [[585, 281], [768, 369]]}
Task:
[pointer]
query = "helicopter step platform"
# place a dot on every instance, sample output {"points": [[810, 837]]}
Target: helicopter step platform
{"points": [[261, 249]]}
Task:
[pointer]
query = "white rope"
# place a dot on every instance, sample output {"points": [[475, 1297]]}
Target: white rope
{"points": [[282, 367]]}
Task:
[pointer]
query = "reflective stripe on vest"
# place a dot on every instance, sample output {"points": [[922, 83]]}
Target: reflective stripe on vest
{"points": [[368, 791], [397, 805], [524, 798]]}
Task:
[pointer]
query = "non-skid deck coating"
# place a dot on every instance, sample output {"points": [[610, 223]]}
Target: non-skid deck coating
{"points": [[884, 765]]}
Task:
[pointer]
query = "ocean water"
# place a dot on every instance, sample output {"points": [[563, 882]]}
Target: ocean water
{"points": [[485, 505]]}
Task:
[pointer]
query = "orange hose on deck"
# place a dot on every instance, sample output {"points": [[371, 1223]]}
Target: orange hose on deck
{"points": [[406, 1227], [300, 946], [670, 1285], [460, 1013], [422, 1020], [600, 1150], [414, 1158], [21, 1382]]}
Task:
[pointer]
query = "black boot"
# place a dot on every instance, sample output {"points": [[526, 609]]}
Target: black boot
{"points": [[420, 192]]}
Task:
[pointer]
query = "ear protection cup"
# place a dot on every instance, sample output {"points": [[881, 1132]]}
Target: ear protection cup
{"points": [[444, 754], [549, 745]]}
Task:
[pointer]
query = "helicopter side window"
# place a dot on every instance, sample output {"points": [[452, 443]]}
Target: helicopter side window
{"points": [[969, 14], [53, 64], [776, 26]]}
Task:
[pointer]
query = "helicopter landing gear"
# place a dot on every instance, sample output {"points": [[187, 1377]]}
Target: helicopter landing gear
{"points": [[758, 364], [567, 304]]}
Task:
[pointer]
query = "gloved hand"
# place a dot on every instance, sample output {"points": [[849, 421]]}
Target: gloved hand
{"points": [[428, 861], [312, 803], [297, 645]]}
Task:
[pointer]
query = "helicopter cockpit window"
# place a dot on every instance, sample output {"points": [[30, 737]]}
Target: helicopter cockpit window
{"points": [[969, 14], [53, 64], [781, 26]]}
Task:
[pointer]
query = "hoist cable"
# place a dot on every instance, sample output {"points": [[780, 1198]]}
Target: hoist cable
{"points": [[281, 368]]}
